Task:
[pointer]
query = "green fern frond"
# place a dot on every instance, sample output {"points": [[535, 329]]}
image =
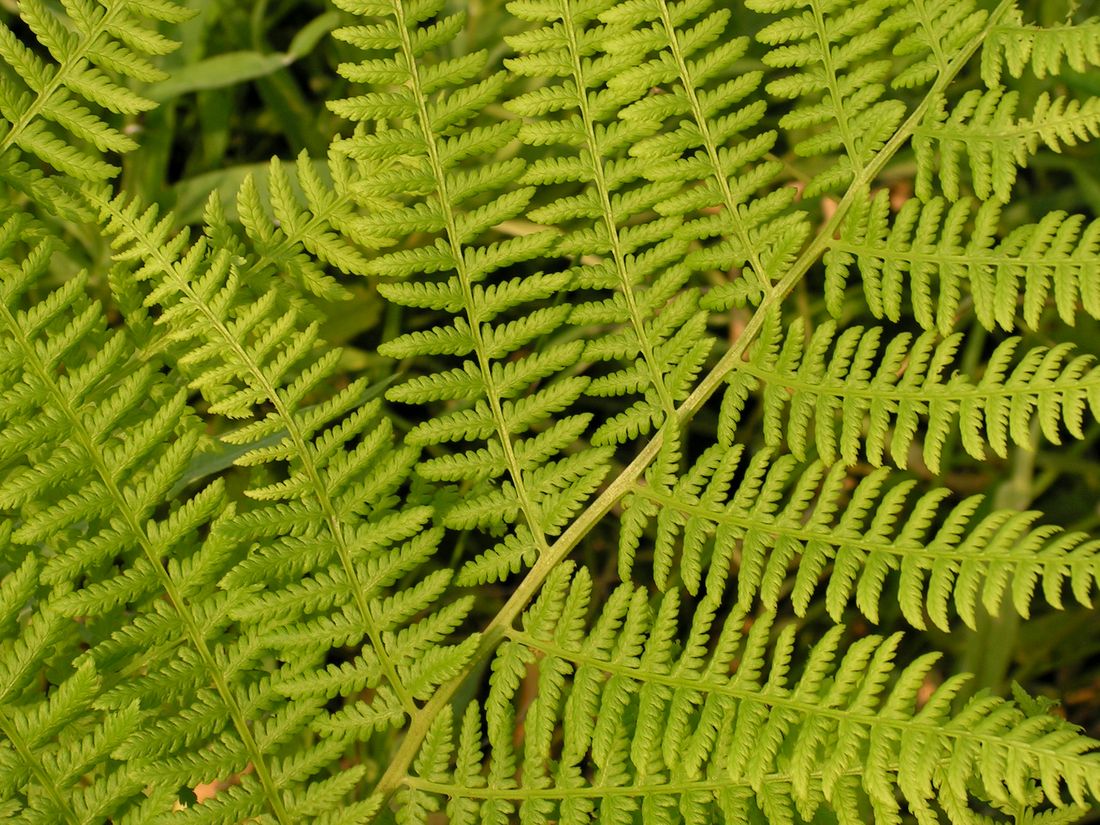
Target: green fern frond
{"points": [[54, 747], [300, 236], [106, 452], [711, 728], [232, 713], [650, 327], [934, 34], [781, 519], [245, 355], [298, 233], [982, 132], [51, 108], [704, 114], [936, 250], [1015, 46], [224, 560], [519, 480], [837, 51], [326, 552], [849, 394], [55, 752]]}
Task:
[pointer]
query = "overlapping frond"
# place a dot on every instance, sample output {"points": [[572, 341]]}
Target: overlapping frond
{"points": [[512, 382], [939, 252], [780, 529], [852, 395], [53, 108], [838, 53], [702, 725], [1015, 46], [644, 310], [934, 33], [707, 142], [982, 135], [54, 747], [279, 619], [106, 442], [326, 543], [292, 234]]}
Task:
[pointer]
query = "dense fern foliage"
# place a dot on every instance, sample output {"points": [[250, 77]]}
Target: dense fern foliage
{"points": [[577, 423]]}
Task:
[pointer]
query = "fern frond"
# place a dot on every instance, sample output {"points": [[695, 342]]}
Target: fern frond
{"points": [[296, 235], [657, 333], [936, 249], [836, 49], [52, 108], [851, 394], [395, 774], [708, 136], [245, 354], [326, 550], [774, 512], [222, 561], [708, 728], [934, 33], [519, 481], [232, 713], [106, 452], [55, 752], [54, 746], [982, 132], [1016, 46]]}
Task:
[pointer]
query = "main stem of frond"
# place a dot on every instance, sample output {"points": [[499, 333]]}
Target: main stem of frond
{"points": [[527, 506], [191, 627], [945, 392], [732, 207], [332, 521], [399, 765], [656, 376]]}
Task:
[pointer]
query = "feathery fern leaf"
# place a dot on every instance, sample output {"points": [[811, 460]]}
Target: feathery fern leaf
{"points": [[931, 248], [281, 618], [837, 51], [54, 746], [521, 481], [341, 473], [721, 522], [857, 396], [105, 453], [656, 327], [299, 239], [934, 34], [981, 128], [327, 549], [703, 114], [1016, 46], [711, 729], [96, 42]]}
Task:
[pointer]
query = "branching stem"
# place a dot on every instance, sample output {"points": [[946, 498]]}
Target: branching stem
{"points": [[526, 590]]}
